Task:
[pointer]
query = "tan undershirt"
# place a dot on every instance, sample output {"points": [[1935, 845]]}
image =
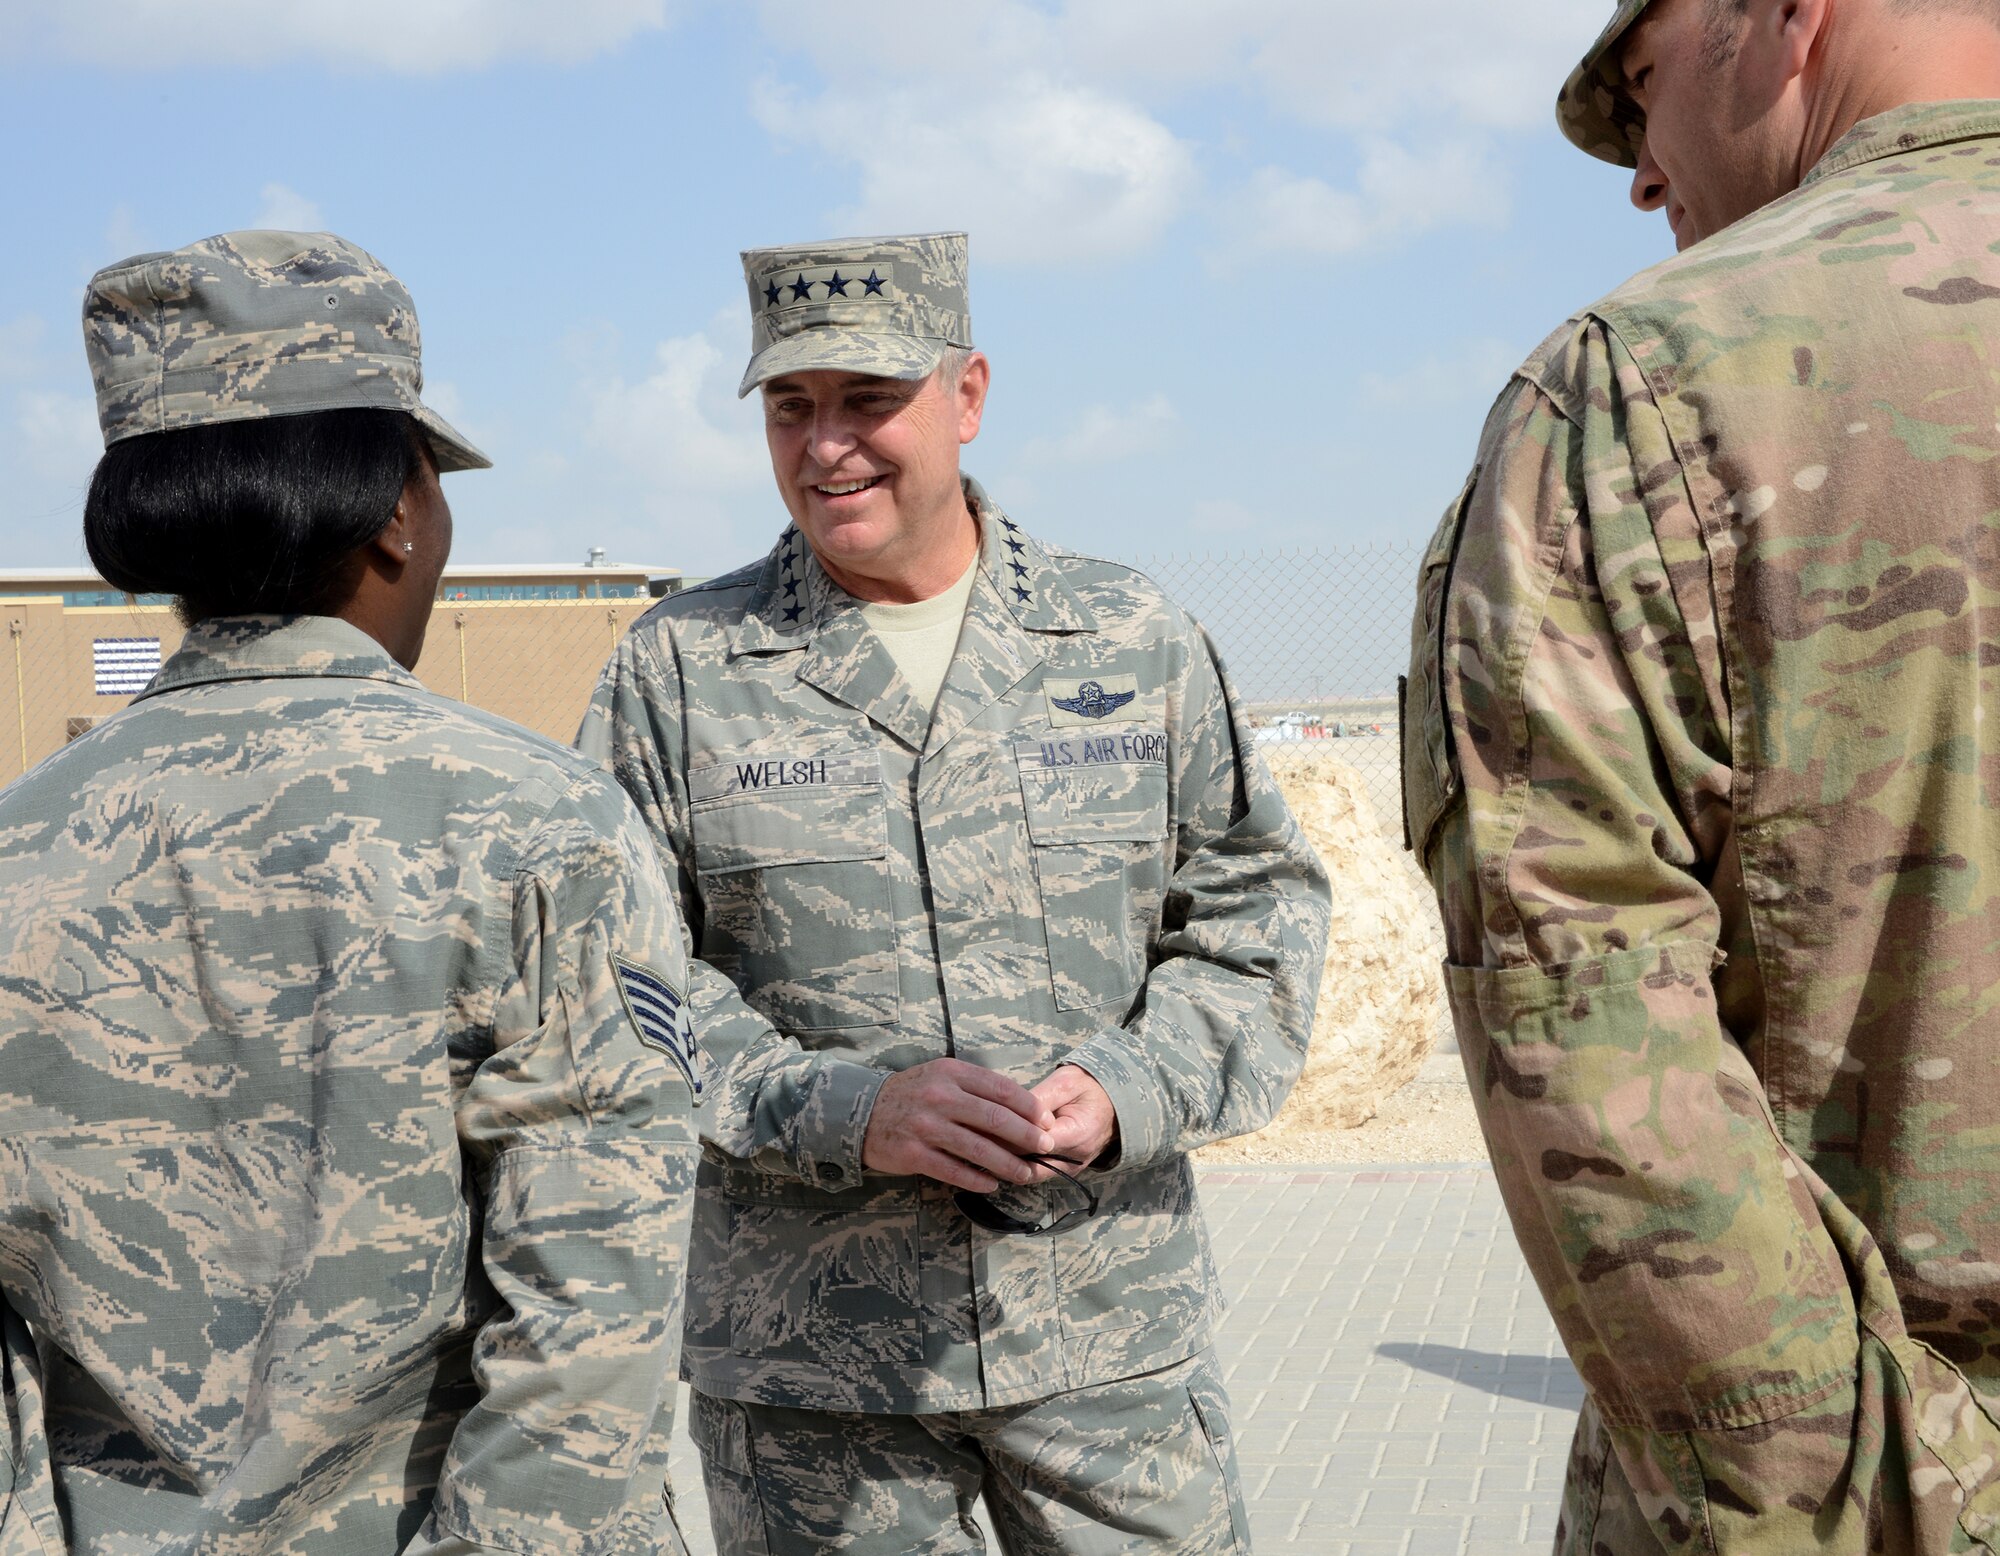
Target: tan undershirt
{"points": [[921, 638]]}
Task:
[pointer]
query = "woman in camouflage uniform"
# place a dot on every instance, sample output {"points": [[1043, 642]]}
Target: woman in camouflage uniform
{"points": [[344, 1087]]}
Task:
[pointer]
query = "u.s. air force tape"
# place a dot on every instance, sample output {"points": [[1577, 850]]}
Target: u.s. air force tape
{"points": [[660, 1013]]}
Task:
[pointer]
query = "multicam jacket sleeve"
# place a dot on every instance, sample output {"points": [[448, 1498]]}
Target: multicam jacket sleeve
{"points": [[578, 1125], [1568, 785]]}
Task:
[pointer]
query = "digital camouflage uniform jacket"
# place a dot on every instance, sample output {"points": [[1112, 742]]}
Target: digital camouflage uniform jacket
{"points": [[1698, 755], [336, 1180], [1079, 859]]}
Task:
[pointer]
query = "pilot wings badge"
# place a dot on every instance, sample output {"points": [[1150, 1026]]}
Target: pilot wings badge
{"points": [[1086, 702]]}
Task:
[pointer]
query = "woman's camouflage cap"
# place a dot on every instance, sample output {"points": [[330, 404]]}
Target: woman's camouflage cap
{"points": [[254, 324], [887, 306], [1594, 109]]}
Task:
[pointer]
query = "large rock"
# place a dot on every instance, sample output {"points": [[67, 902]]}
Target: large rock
{"points": [[1380, 1001]]}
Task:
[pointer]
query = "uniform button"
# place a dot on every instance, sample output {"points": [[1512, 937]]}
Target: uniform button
{"points": [[830, 1172]]}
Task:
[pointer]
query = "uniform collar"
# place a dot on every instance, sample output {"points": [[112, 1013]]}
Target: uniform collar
{"points": [[1022, 573], [256, 648], [1912, 127], [794, 601], [1018, 597]]}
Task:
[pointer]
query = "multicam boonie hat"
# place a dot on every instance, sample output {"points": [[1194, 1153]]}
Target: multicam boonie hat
{"points": [[253, 324], [1594, 109], [887, 306]]}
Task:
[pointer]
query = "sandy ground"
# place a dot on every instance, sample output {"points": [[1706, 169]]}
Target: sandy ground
{"points": [[1429, 1120]]}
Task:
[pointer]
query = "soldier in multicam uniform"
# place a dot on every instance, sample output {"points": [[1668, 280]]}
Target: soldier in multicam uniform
{"points": [[1699, 756], [984, 875], [346, 1115]]}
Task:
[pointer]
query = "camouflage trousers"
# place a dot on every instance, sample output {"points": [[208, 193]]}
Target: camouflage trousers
{"points": [[1900, 1463], [1141, 1465]]}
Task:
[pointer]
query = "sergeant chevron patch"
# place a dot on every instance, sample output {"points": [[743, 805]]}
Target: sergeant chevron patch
{"points": [[661, 1014]]}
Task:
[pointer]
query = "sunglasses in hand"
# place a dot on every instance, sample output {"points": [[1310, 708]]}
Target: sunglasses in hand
{"points": [[980, 1210]]}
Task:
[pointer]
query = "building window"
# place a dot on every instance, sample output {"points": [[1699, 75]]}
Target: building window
{"points": [[542, 591]]}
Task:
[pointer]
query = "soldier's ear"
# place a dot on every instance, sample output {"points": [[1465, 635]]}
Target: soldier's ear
{"points": [[972, 387], [1796, 26], [394, 543]]}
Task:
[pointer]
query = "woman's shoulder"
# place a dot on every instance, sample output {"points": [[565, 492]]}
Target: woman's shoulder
{"points": [[299, 752]]}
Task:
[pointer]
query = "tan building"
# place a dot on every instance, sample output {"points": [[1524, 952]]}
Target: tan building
{"points": [[519, 640]]}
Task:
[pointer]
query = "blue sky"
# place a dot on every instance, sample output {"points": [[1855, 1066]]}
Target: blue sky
{"points": [[1250, 271]]}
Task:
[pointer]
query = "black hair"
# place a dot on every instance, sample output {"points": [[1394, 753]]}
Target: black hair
{"points": [[249, 517]]}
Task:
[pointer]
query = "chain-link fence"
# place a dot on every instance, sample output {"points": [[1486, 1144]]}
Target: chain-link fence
{"points": [[534, 662], [66, 667], [1314, 641]]}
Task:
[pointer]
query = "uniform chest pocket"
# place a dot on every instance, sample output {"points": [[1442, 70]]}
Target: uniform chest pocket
{"points": [[794, 885], [1099, 836]]}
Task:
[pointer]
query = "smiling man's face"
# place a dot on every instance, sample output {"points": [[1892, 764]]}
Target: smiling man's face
{"points": [[1719, 138], [868, 467]]}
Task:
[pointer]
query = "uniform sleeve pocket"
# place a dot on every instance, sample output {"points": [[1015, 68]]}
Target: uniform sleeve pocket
{"points": [[1430, 775], [1677, 1243], [1955, 1425]]}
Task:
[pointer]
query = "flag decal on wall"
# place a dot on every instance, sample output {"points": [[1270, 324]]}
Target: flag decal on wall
{"points": [[121, 667]]}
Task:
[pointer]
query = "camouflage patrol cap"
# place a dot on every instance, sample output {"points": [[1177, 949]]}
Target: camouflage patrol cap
{"points": [[1594, 109], [887, 306], [254, 324]]}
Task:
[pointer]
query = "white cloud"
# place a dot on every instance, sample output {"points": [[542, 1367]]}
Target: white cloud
{"points": [[1043, 171], [124, 235], [49, 443], [1053, 136], [58, 437], [1474, 372], [286, 210], [395, 35], [1397, 194], [1224, 518], [1105, 433], [661, 466], [670, 426], [22, 344], [1353, 64], [917, 37], [442, 395], [1357, 64], [667, 467]]}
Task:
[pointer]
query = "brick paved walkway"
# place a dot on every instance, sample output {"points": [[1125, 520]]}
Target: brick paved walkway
{"points": [[1398, 1386]]}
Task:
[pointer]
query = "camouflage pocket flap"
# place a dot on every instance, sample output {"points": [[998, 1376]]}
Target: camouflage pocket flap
{"points": [[802, 825], [1954, 1423], [1108, 799], [721, 1431], [743, 1186], [1430, 775]]}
